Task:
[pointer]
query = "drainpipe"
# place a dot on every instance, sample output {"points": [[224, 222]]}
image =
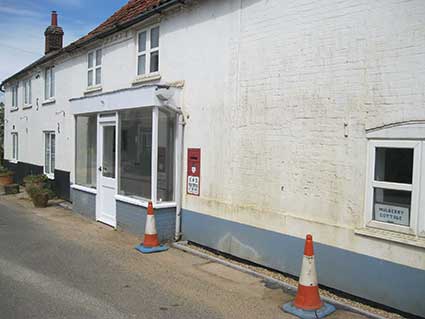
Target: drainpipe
{"points": [[179, 155]]}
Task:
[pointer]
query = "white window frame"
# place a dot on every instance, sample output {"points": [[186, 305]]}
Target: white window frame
{"points": [[94, 67], [48, 146], [415, 187], [148, 51], [49, 83], [15, 100], [27, 94], [15, 147]]}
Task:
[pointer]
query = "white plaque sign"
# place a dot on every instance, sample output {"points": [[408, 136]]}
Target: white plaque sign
{"points": [[392, 214], [193, 185]]}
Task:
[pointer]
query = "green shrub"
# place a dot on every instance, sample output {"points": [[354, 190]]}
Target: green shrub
{"points": [[39, 189], [36, 179]]}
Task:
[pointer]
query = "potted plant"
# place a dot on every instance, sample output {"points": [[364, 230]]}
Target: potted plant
{"points": [[38, 189], [6, 176], [38, 180], [39, 196]]}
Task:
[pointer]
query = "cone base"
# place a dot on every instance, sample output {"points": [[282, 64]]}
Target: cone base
{"points": [[150, 250], [326, 310]]}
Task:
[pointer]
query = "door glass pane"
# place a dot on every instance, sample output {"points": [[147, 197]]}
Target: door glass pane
{"points": [[394, 165], [136, 153], [108, 164], [392, 206]]}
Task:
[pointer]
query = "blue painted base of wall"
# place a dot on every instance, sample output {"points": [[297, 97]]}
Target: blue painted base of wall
{"points": [[84, 203], [384, 282], [132, 218]]}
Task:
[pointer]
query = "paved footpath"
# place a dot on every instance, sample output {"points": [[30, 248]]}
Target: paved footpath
{"points": [[55, 264]]}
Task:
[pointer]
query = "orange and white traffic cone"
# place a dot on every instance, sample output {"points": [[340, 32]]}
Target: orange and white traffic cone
{"points": [[151, 242], [307, 303]]}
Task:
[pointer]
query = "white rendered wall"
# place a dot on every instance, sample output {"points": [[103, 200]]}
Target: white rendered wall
{"points": [[268, 86]]}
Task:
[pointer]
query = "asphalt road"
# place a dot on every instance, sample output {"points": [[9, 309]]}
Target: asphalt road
{"points": [[55, 264]]}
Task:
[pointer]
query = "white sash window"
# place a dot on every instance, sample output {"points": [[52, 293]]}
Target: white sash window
{"points": [[395, 186], [49, 153]]}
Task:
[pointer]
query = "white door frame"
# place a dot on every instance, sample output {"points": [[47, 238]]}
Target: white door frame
{"points": [[103, 120]]}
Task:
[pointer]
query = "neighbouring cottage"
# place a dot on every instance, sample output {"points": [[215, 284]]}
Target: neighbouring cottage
{"points": [[248, 123]]}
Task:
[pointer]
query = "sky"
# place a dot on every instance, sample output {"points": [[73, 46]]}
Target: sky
{"points": [[23, 22]]}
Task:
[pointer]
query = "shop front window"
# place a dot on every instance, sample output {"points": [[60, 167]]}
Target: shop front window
{"points": [[146, 153], [135, 165], [165, 189], [86, 150]]}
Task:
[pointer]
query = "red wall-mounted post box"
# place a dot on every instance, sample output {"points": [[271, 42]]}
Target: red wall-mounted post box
{"points": [[193, 171]]}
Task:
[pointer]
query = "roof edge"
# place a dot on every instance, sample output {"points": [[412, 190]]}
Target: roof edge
{"points": [[72, 46]]}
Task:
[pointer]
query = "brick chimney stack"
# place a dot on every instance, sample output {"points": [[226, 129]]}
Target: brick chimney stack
{"points": [[53, 35]]}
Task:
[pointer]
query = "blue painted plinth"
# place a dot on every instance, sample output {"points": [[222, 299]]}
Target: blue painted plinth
{"points": [[150, 250], [327, 309]]}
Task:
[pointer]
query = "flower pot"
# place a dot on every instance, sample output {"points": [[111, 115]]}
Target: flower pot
{"points": [[6, 179], [40, 200]]}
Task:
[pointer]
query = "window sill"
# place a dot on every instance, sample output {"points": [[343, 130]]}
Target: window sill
{"points": [[84, 189], [26, 107], [92, 89], [143, 203], [49, 101], [50, 176], [146, 78], [13, 161], [391, 236], [14, 109]]}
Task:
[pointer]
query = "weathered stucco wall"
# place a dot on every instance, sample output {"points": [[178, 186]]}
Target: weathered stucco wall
{"points": [[278, 87], [269, 87]]}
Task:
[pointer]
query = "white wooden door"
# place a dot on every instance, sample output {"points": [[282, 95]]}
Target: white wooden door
{"points": [[107, 163]]}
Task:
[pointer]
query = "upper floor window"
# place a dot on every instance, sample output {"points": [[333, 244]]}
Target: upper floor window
{"points": [[27, 92], [94, 64], [49, 83], [15, 96], [148, 51]]}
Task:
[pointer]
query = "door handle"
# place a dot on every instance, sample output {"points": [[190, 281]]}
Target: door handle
{"points": [[100, 168]]}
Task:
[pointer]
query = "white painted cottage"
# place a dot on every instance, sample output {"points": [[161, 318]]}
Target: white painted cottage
{"points": [[248, 123]]}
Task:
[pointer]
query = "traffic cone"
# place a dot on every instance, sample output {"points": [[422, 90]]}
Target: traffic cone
{"points": [[151, 242], [307, 303]]}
